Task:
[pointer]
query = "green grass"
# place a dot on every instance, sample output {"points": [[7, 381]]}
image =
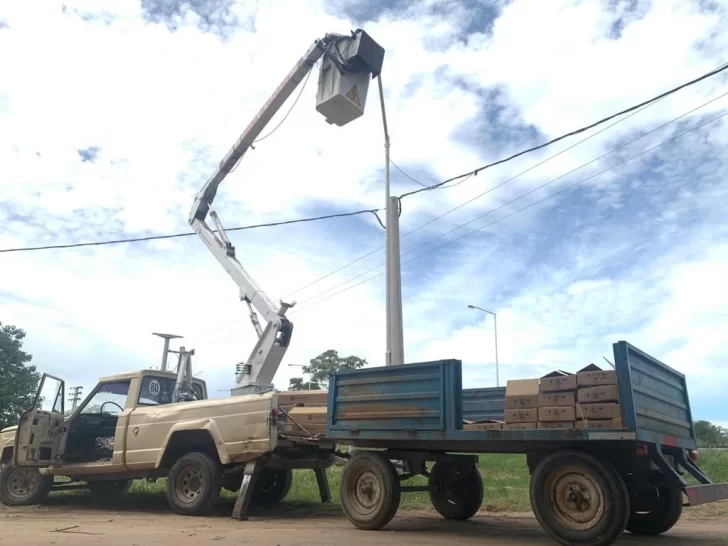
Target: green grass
{"points": [[505, 479]]}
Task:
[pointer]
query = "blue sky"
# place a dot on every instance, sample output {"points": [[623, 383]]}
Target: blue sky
{"points": [[118, 126]]}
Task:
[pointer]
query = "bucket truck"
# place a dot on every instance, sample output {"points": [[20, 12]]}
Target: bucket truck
{"points": [[348, 64]]}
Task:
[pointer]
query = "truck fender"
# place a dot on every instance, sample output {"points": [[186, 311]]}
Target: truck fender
{"points": [[201, 424]]}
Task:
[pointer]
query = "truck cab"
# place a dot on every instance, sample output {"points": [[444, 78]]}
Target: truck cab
{"points": [[95, 437]]}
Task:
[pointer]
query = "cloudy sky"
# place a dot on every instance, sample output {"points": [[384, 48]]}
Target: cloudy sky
{"points": [[113, 115]]}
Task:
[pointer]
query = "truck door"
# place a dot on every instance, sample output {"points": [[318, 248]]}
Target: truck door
{"points": [[38, 438]]}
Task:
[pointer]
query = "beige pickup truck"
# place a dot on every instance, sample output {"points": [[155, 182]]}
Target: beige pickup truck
{"points": [[127, 429]]}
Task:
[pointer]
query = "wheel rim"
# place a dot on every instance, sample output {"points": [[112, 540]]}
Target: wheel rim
{"points": [[576, 499], [189, 484], [22, 482], [367, 492]]}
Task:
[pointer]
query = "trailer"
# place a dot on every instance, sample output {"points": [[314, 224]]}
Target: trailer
{"points": [[587, 485]]}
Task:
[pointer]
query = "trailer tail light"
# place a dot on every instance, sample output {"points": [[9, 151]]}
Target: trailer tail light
{"points": [[641, 450], [274, 413], [694, 455]]}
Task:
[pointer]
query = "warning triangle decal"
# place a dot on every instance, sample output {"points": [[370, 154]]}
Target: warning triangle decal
{"points": [[353, 96]]}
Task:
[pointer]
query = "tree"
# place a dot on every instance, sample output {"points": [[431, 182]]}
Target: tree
{"points": [[322, 367], [710, 435], [18, 379]]}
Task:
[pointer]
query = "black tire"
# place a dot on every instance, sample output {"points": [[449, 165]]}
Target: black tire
{"points": [[579, 499], [663, 511], [455, 492], [370, 490], [23, 486], [109, 487], [272, 486], [194, 484]]}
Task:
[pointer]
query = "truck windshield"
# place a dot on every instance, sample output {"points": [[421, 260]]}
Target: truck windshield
{"points": [[109, 398]]}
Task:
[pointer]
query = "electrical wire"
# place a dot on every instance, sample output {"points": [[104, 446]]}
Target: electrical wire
{"points": [[177, 235], [435, 186], [432, 220], [554, 194], [572, 133]]}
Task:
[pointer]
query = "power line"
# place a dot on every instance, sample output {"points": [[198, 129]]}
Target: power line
{"points": [[572, 133], [374, 211], [502, 184], [675, 137], [177, 235]]}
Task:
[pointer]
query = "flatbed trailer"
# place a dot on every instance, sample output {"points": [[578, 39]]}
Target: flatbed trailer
{"points": [[587, 485]]}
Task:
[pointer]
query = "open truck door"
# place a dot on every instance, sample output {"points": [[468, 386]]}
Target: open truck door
{"points": [[39, 434]]}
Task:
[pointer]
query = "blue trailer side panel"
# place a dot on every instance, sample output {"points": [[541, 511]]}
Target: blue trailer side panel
{"points": [[424, 396], [654, 398], [484, 403]]}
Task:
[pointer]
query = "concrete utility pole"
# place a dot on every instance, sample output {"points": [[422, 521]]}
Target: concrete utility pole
{"points": [[75, 396], [165, 353], [495, 328]]}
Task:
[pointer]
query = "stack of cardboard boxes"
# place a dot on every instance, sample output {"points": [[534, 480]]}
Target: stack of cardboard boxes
{"points": [[562, 400], [305, 412]]}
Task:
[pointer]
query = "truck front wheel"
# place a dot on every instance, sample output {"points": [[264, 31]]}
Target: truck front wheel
{"points": [[455, 492], [194, 484], [370, 490], [23, 486], [656, 512], [579, 499]]}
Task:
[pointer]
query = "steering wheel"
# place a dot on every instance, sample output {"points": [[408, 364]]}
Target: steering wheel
{"points": [[101, 411]]}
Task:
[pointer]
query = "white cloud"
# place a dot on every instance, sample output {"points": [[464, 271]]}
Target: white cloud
{"points": [[566, 278]]}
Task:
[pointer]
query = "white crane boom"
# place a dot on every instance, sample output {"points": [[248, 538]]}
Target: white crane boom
{"points": [[348, 64]]}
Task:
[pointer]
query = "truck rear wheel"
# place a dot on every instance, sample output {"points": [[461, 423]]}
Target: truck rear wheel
{"points": [[657, 512], [455, 492], [272, 485], [23, 486], [194, 484], [578, 499], [370, 490]]}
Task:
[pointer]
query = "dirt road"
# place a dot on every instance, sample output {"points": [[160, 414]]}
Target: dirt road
{"points": [[75, 521]]}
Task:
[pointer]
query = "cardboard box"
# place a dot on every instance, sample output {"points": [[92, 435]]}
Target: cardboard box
{"points": [[302, 398], [521, 393], [606, 410], [558, 380], [557, 413], [520, 426], [524, 415], [484, 425], [551, 399], [593, 376], [603, 393], [600, 424], [566, 425], [307, 416]]}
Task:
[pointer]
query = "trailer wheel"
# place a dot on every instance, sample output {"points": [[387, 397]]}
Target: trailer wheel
{"points": [[194, 484], [455, 492], [370, 490], [578, 499], [271, 486], [23, 486], [657, 512]]}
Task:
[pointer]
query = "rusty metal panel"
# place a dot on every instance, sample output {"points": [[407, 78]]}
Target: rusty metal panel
{"points": [[422, 396], [702, 494]]}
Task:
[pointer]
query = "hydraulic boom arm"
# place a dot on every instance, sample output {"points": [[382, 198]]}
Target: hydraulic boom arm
{"points": [[348, 64]]}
